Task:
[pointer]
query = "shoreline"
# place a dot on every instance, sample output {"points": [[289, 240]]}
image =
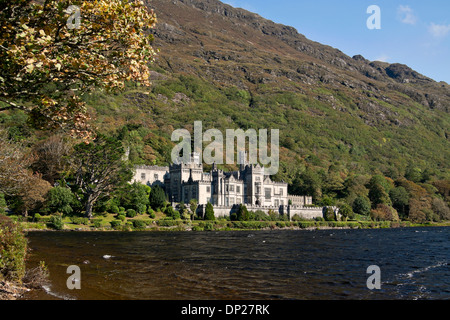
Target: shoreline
{"points": [[12, 291], [189, 228]]}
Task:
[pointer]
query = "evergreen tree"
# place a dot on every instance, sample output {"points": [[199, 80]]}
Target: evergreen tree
{"points": [[99, 170], [242, 214], [209, 212], [157, 197]]}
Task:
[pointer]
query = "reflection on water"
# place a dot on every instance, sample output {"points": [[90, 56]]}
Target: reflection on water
{"points": [[327, 264]]}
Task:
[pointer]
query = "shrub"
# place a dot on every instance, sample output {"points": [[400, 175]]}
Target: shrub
{"points": [[139, 224], [209, 227], [152, 215], [13, 248], [169, 223], [121, 217], [97, 223], [79, 220], [242, 214], [36, 277], [115, 224], [141, 208], [197, 228], [115, 209], [280, 224], [169, 211], [176, 214], [56, 222], [131, 213]]}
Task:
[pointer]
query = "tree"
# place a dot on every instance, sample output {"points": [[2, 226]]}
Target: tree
{"points": [[242, 214], [51, 158], [400, 200], [157, 197], [413, 174], [384, 212], [16, 180], [47, 62], [329, 214], [99, 170], [308, 183], [135, 196], [378, 191], [209, 212], [14, 165], [2, 204], [193, 205], [345, 211], [362, 206], [60, 199], [440, 208]]}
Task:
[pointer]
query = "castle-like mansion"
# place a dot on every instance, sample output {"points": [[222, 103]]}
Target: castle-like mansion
{"points": [[224, 190]]}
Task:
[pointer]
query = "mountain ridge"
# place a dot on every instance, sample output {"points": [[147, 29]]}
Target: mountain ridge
{"points": [[230, 68], [331, 60]]}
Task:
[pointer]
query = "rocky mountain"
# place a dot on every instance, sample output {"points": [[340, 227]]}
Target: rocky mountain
{"points": [[233, 68], [225, 39]]}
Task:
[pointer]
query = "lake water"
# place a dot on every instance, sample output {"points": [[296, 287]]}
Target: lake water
{"points": [[246, 265]]}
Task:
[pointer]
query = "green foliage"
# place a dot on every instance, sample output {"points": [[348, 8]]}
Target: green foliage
{"points": [[115, 209], [209, 212], [243, 214], [131, 213], [362, 206], [139, 224], [79, 220], [157, 197], [56, 222], [134, 196], [400, 200], [2, 203], [97, 223], [329, 214], [346, 211], [115, 224], [100, 169], [13, 249], [169, 223]]}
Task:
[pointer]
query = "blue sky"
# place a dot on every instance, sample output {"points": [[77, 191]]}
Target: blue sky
{"points": [[413, 32]]}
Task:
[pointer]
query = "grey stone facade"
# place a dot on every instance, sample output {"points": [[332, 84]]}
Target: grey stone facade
{"points": [[225, 190]]}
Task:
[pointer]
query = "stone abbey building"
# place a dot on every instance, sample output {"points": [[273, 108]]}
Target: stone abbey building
{"points": [[224, 190]]}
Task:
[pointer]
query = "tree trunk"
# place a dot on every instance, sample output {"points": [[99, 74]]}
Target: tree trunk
{"points": [[89, 206]]}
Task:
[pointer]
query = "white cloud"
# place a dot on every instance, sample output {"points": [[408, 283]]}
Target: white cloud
{"points": [[406, 15], [439, 30], [383, 58]]}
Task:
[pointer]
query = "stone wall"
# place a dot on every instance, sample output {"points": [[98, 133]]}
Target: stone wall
{"points": [[304, 212]]}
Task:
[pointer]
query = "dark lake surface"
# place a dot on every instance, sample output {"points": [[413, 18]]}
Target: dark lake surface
{"points": [[246, 265]]}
